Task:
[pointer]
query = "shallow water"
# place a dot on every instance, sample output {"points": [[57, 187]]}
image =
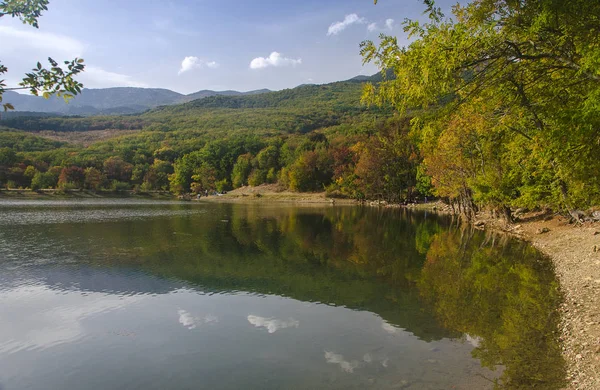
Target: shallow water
{"points": [[139, 294]]}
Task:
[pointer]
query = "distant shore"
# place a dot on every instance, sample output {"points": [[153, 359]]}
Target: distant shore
{"points": [[83, 194]]}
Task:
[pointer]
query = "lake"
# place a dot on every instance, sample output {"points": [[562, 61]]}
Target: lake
{"points": [[133, 294]]}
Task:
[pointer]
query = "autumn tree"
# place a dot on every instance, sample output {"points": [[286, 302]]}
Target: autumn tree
{"points": [[73, 177], [115, 168], [94, 179]]}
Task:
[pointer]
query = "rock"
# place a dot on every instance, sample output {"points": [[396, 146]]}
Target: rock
{"points": [[542, 230], [479, 224], [577, 216], [596, 216]]}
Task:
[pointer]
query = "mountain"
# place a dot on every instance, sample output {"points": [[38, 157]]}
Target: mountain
{"points": [[360, 78], [296, 110], [208, 93], [112, 101], [129, 100], [97, 101]]}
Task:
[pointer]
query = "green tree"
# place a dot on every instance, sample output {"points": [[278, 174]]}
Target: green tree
{"points": [[312, 171], [524, 75], [40, 80], [204, 179], [241, 170], [42, 180]]}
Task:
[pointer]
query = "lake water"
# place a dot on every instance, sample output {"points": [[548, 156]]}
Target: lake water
{"points": [[123, 294]]}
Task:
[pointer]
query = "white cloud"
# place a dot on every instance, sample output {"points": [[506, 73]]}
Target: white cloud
{"points": [[349, 20], [190, 321], [473, 340], [95, 77], [389, 23], [191, 62], [272, 324], [389, 328], [17, 38], [275, 59], [36, 327], [347, 366]]}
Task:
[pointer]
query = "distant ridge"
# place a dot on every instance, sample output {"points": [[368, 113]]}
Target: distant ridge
{"points": [[208, 93], [111, 101], [126, 100]]}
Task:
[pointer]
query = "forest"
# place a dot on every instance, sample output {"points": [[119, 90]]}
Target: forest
{"points": [[493, 106]]}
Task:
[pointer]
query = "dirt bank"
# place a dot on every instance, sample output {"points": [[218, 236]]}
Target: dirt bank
{"points": [[575, 251], [274, 193]]}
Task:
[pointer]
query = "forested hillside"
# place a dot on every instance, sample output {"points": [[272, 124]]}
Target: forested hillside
{"points": [[310, 138], [496, 105]]}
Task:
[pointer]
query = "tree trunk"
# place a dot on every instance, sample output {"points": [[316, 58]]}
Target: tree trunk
{"points": [[507, 214]]}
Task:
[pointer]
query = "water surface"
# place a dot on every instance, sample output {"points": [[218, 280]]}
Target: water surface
{"points": [[153, 295]]}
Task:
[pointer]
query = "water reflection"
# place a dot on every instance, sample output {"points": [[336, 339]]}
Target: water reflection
{"points": [[504, 297], [272, 325], [384, 298], [190, 321]]}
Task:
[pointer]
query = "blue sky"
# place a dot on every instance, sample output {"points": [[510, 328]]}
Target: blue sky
{"points": [[190, 45]]}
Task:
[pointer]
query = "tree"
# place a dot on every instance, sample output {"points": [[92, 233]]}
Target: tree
{"points": [[117, 169], [45, 81], [42, 180], [241, 170], [312, 171], [7, 156], [204, 179], [526, 74], [93, 179], [73, 177]]}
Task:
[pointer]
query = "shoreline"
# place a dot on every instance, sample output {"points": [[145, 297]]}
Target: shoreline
{"points": [[575, 253], [81, 194]]}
